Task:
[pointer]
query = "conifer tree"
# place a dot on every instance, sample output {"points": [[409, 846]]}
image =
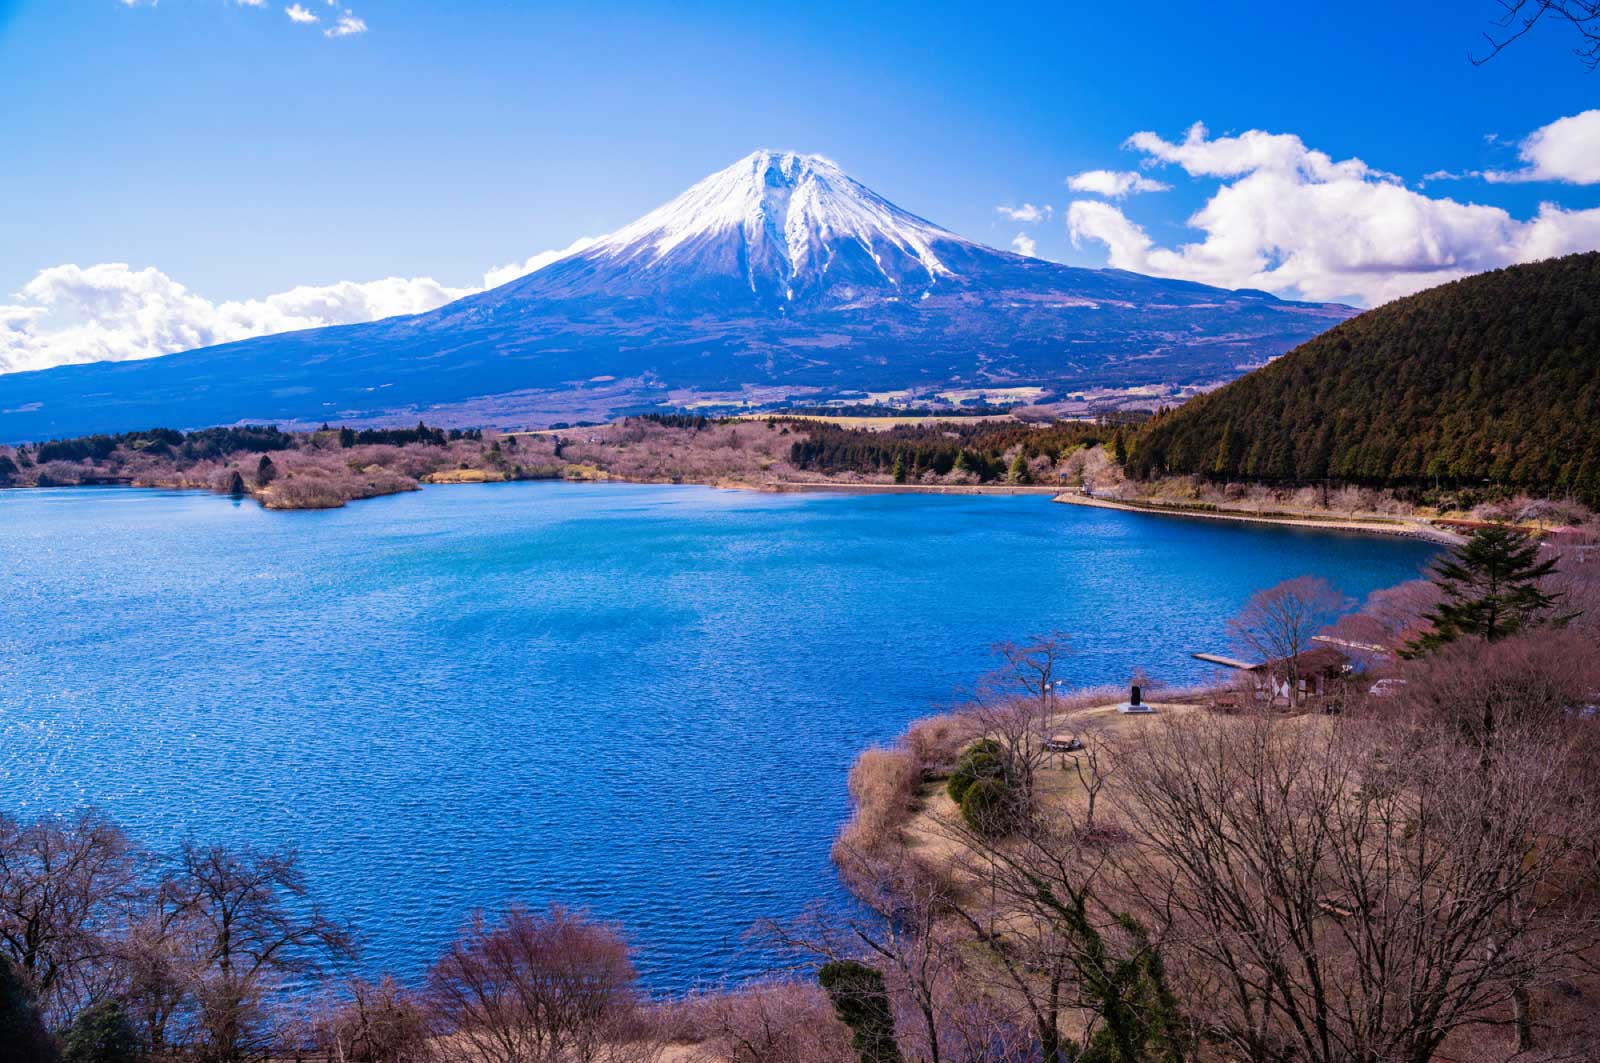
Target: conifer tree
{"points": [[862, 1003], [899, 468], [266, 472], [1491, 590], [1018, 473]]}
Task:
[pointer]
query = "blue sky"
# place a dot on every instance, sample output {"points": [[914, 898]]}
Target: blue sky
{"points": [[243, 153]]}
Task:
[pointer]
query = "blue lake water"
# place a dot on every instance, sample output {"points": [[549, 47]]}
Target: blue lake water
{"points": [[639, 699]]}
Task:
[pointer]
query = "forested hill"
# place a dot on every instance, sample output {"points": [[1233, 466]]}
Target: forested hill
{"points": [[1495, 377]]}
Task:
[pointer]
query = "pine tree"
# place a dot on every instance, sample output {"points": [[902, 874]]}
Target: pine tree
{"points": [[266, 472], [102, 1033], [1018, 473], [862, 1003], [899, 468], [1491, 590]]}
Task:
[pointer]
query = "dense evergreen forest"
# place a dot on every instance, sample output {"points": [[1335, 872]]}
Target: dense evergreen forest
{"points": [[907, 451], [1492, 378]]}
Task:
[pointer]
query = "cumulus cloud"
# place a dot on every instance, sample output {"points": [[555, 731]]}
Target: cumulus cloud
{"points": [[347, 26], [505, 274], [1114, 184], [1026, 213], [112, 312], [1295, 221], [1566, 150], [1024, 244], [297, 13]]}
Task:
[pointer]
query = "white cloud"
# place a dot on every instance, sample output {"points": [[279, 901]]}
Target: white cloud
{"points": [[1024, 244], [1026, 213], [1566, 150], [252, 3], [297, 13], [1114, 184], [505, 274], [112, 312], [347, 26], [1294, 221]]}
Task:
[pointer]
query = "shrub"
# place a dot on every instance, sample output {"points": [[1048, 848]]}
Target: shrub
{"points": [[984, 759], [535, 985], [102, 1033], [936, 742], [990, 807], [765, 1022]]}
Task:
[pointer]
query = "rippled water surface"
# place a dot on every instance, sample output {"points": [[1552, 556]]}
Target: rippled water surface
{"points": [[640, 699]]}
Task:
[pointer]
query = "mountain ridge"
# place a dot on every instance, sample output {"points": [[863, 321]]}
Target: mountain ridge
{"points": [[777, 278]]}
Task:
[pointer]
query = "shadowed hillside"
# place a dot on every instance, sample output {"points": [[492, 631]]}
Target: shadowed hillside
{"points": [[1492, 378]]}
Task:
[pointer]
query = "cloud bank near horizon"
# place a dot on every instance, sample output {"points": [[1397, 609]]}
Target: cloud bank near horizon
{"points": [[1294, 221], [111, 312]]}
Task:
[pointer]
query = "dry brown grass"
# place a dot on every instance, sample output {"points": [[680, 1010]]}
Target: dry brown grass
{"points": [[884, 785]]}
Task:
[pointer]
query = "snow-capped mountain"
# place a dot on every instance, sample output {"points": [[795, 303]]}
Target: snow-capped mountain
{"points": [[776, 225], [778, 277]]}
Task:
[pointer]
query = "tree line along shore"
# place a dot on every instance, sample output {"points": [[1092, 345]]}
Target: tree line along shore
{"points": [[1395, 859], [1085, 461]]}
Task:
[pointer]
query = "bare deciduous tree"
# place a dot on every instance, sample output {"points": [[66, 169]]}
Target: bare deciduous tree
{"points": [[548, 987], [896, 927], [1521, 16], [1340, 893], [241, 913], [66, 888], [767, 1022], [1018, 704], [1278, 623], [1083, 971], [377, 1023]]}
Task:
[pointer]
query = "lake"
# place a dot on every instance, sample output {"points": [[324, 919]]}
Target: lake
{"points": [[640, 699]]}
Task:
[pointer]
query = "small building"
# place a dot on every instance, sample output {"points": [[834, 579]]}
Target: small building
{"points": [[1312, 673]]}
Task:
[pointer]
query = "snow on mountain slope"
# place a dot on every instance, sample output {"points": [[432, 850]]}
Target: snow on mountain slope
{"points": [[784, 226]]}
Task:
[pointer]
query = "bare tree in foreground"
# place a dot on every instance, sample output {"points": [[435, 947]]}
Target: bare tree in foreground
{"points": [[379, 1023], [768, 1022], [895, 927], [545, 987], [240, 914], [1521, 16], [1055, 942], [1344, 894], [66, 889]]}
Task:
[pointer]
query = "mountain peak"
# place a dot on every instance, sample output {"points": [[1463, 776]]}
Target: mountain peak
{"points": [[783, 226]]}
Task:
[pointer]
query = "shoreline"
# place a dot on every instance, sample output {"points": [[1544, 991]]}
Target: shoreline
{"points": [[802, 486], [1405, 528]]}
